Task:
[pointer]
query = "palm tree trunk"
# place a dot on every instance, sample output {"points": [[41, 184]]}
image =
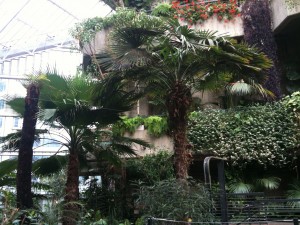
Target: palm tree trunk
{"points": [[178, 102], [70, 212], [24, 169]]}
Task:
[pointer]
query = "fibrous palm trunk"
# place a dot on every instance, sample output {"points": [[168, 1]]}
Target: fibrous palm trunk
{"points": [[24, 169], [258, 32], [178, 102], [71, 208]]}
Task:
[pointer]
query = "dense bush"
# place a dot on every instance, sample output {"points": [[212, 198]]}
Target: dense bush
{"points": [[151, 168], [177, 200], [265, 134]]}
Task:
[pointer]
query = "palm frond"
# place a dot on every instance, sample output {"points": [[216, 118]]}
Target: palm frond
{"points": [[17, 104], [269, 183], [240, 186], [50, 165], [8, 166]]}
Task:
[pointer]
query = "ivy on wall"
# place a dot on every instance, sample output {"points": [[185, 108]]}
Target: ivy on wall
{"points": [[266, 135], [256, 17]]}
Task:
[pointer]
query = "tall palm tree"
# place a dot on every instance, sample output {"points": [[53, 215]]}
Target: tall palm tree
{"points": [[80, 107], [24, 169], [170, 59]]}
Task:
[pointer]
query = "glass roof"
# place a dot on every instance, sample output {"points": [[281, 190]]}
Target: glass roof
{"points": [[28, 26]]}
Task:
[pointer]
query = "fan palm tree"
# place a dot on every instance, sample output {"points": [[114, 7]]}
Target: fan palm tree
{"points": [[170, 59], [80, 107]]}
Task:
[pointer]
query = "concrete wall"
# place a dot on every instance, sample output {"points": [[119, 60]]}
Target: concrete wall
{"points": [[233, 28], [281, 13], [158, 143], [98, 44]]}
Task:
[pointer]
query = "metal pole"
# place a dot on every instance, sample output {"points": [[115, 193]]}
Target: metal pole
{"points": [[223, 200]]}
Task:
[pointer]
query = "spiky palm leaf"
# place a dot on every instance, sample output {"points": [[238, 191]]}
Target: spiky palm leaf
{"points": [[269, 183]]}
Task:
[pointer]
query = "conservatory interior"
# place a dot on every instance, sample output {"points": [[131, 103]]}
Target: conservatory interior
{"points": [[150, 112]]}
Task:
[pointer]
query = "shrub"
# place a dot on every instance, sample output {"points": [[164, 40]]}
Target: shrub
{"points": [[151, 168], [265, 134], [176, 200]]}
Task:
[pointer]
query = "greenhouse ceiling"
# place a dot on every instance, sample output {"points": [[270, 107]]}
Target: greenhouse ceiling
{"points": [[29, 26]]}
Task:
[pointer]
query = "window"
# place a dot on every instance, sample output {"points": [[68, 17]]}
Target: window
{"points": [[1, 120], [2, 104], [2, 86], [16, 122]]}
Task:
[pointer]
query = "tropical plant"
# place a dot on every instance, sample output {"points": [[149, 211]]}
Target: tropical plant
{"points": [[8, 212], [243, 181], [24, 169], [163, 9], [170, 58], [176, 200], [80, 107]]}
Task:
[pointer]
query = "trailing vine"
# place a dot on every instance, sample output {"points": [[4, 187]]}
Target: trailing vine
{"points": [[155, 125], [86, 30]]}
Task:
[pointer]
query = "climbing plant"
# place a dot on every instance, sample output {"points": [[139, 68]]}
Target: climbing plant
{"points": [[258, 31], [264, 134]]}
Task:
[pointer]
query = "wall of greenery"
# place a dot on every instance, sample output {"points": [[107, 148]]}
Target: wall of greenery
{"points": [[264, 134]]}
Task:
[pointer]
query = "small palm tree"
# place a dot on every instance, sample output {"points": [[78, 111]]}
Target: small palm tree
{"points": [[80, 107], [170, 59]]}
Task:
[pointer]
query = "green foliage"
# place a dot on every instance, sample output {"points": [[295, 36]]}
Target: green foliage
{"points": [[151, 168], [155, 125], [8, 213], [265, 134], [245, 181], [127, 125], [292, 70], [86, 30], [294, 192], [163, 9], [292, 101], [178, 200]]}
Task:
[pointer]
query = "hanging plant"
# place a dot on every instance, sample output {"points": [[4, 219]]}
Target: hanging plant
{"points": [[197, 11]]}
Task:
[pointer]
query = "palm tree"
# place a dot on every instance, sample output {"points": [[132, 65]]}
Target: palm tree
{"points": [[170, 59], [80, 107], [30, 110]]}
